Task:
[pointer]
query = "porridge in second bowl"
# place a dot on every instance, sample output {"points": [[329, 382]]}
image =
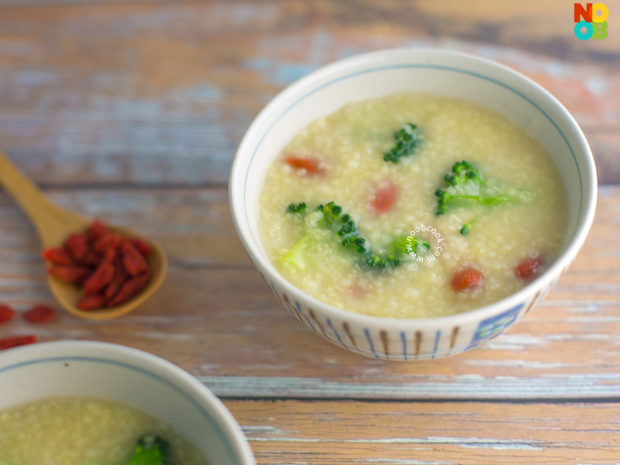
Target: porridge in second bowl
{"points": [[83, 431]]}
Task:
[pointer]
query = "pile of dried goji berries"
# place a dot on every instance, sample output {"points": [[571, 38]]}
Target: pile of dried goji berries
{"points": [[110, 269], [38, 314]]}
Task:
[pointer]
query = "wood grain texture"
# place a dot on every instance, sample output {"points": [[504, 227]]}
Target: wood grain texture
{"points": [[215, 317], [291, 432], [154, 93]]}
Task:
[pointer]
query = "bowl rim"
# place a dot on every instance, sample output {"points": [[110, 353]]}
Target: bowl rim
{"points": [[144, 363], [411, 55]]}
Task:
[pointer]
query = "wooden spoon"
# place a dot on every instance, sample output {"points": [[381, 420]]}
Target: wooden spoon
{"points": [[55, 224]]}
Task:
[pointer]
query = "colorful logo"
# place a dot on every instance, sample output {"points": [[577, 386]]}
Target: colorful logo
{"points": [[591, 21]]}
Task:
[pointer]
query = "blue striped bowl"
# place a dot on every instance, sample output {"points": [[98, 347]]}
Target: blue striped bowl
{"points": [[128, 376], [424, 71]]}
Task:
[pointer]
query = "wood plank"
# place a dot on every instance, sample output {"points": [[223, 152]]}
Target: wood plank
{"points": [[215, 317], [152, 93], [291, 432]]}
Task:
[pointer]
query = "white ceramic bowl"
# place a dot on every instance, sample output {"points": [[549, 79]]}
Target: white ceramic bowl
{"points": [[424, 71], [129, 376]]}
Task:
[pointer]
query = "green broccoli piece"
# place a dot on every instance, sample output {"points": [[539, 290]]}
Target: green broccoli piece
{"points": [[297, 208], [296, 256], [151, 450], [324, 221], [407, 140], [465, 186], [327, 222], [402, 247], [466, 228]]}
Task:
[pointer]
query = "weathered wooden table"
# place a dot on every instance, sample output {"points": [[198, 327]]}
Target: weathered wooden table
{"points": [[132, 113]]}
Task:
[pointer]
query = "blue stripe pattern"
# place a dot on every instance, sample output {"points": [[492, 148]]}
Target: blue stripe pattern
{"points": [[335, 331], [306, 319], [403, 338], [437, 337], [372, 346]]}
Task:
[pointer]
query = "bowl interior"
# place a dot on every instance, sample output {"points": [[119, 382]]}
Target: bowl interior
{"points": [[441, 73], [127, 376]]}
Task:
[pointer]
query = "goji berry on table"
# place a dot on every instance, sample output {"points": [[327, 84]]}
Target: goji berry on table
{"points": [[15, 341], [6, 313], [40, 314]]}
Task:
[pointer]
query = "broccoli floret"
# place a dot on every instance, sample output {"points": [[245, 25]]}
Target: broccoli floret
{"points": [[329, 221], [407, 140], [402, 247], [296, 256], [151, 450], [325, 219], [465, 186], [297, 207]]}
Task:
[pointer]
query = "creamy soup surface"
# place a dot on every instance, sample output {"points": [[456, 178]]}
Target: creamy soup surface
{"points": [[83, 431], [340, 158]]}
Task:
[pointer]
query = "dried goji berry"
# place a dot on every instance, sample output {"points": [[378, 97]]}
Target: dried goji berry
{"points": [[133, 261], [110, 241], [6, 313], [115, 285], [96, 231], [104, 263], [58, 256], [100, 278], [91, 258], [143, 246], [15, 341], [72, 274], [91, 302], [40, 314], [77, 245], [130, 289]]}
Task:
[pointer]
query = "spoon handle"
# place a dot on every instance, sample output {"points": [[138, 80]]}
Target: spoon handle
{"points": [[44, 214]]}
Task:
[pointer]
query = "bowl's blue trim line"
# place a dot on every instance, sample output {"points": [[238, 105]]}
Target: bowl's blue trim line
{"points": [[404, 66], [370, 343], [336, 333], [437, 338], [306, 319], [221, 435]]}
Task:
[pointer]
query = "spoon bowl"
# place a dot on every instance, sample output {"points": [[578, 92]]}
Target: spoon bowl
{"points": [[55, 224]]}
